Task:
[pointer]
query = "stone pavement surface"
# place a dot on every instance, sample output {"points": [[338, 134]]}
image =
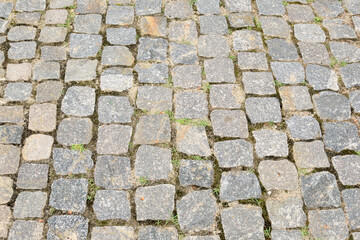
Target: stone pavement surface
{"points": [[178, 119]]}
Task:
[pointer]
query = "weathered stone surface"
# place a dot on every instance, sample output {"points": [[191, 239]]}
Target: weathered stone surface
{"points": [[30, 204], [5, 220], [260, 83], [42, 117], [344, 51], [314, 53], [238, 5], [234, 153], [247, 40], [11, 134], [350, 75], [22, 229], [339, 29], [53, 53], [152, 49], [113, 139], [270, 7], [213, 46], [116, 79], [183, 32], [208, 6], [321, 78], [21, 71], [148, 7], [18, 91], [187, 76], [348, 169], [84, 45], [213, 24], [68, 227], [6, 189], [242, 19], [32, 176], [74, 131], [303, 127], [152, 73], [22, 50], [275, 27], [339, 136], [112, 233], [354, 98], [154, 99], [109, 204], [286, 235], [219, 70], [226, 96], [5, 9], [37, 147], [192, 140], [155, 26], [80, 70], [252, 60], [328, 8], [178, 9], [91, 6], [332, 106], [262, 110], [56, 16], [30, 6], [229, 123], [310, 155], [68, 161], [9, 159], [183, 53], [121, 36], [21, 33], [79, 101], [46, 70], [280, 49], [151, 232], [195, 172], [309, 33], [191, 105], [295, 98], [288, 72], [117, 55], [153, 129], [52, 34], [89, 23], [49, 91], [113, 109], [31, 18], [11, 114], [351, 199]]}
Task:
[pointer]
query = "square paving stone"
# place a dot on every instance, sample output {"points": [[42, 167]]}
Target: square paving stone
{"points": [[53, 53], [354, 97], [155, 26], [183, 31], [242, 220], [46, 70], [16, 72], [348, 169], [147, 7], [261, 83], [328, 8], [252, 61], [229, 123], [226, 96], [6, 189], [262, 110], [11, 114], [320, 190], [208, 6], [191, 105], [84, 45], [213, 46], [151, 232], [31, 18], [11, 134], [286, 211], [117, 55], [49, 91], [310, 155], [89, 23], [22, 50], [270, 7], [213, 24], [178, 9], [116, 79], [112, 172], [21, 33], [195, 172], [196, 211], [69, 194], [352, 6], [238, 5], [192, 140], [350, 75], [152, 49], [239, 185], [234, 153], [79, 101], [80, 70], [332, 106], [121, 36], [286, 235], [32, 176], [30, 204], [154, 99], [219, 70], [183, 53], [187, 76], [5, 9], [155, 202], [5, 222], [309, 33], [314, 53], [153, 163], [275, 27], [114, 109], [110, 204], [112, 233], [152, 72], [288, 72], [42, 117], [295, 98], [30, 6], [247, 40], [74, 131], [52, 34], [30, 229], [68, 161], [339, 136], [153, 129], [300, 13], [113, 139], [338, 29], [351, 199], [271, 143], [321, 78], [91, 6], [328, 224], [242, 19], [278, 175], [303, 128], [37, 147], [9, 159], [56, 16], [280, 49], [67, 227]]}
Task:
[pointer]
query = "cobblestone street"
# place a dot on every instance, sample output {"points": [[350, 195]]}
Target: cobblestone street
{"points": [[179, 119]]}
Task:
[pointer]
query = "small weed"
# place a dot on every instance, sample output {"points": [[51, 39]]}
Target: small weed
{"points": [[232, 57], [230, 31], [71, 7], [206, 87], [285, 3], [203, 73], [137, 37], [318, 19], [92, 190], [51, 211], [249, 28], [251, 170], [183, 41], [305, 231], [270, 123], [98, 55], [303, 171], [190, 122], [69, 21], [257, 23], [130, 145], [358, 153], [333, 62], [170, 82], [175, 162], [267, 232], [197, 158], [256, 201], [304, 83], [143, 180], [174, 220], [343, 63], [216, 191], [310, 1], [78, 147], [192, 2], [278, 84]]}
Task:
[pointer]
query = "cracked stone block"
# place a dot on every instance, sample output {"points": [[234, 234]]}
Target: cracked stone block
{"points": [[112, 233], [155, 202], [147, 7], [226, 96], [295, 98], [195, 172], [320, 190], [178, 9], [68, 161], [151, 232], [31, 18], [5, 220], [5, 9], [121, 36], [191, 105], [16, 72], [30, 6], [310, 155], [275, 27], [229, 123], [338, 29], [68, 226], [52, 34], [56, 16], [6, 189], [321, 78], [303, 128], [46, 70], [187, 76], [208, 6], [110, 204], [91, 6], [154, 99], [348, 169], [243, 220], [239, 185], [213, 24], [339, 136], [37, 147], [116, 79], [270, 7], [112, 172], [30, 204], [117, 55], [300, 13], [286, 235], [262, 110], [152, 72], [69, 194], [351, 199], [192, 140], [278, 175], [213, 46], [234, 153], [113, 139], [153, 129], [18, 91], [21, 33], [247, 40], [49, 91], [219, 70], [328, 224], [332, 106], [80, 70], [155, 26], [314, 53], [183, 53], [42, 117], [114, 109], [11, 134], [22, 50], [153, 163], [89, 23], [288, 72], [261, 83], [196, 211], [32, 176], [280, 49], [53, 53], [328, 8], [309, 33], [354, 97], [11, 114], [30, 229], [74, 131], [79, 101], [9, 159], [350, 75], [252, 61], [84, 45], [242, 19], [152, 49]]}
